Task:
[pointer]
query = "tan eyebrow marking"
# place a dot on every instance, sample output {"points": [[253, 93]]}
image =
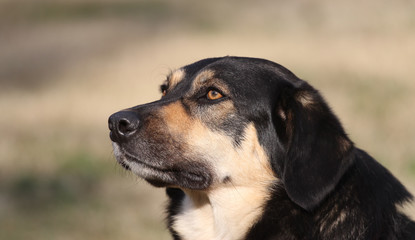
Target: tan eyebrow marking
{"points": [[201, 78], [206, 78], [175, 77]]}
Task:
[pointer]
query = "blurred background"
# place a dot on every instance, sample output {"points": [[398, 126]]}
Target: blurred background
{"points": [[66, 65]]}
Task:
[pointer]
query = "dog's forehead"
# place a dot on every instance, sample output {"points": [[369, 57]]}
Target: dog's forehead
{"points": [[234, 71], [238, 75], [225, 71]]}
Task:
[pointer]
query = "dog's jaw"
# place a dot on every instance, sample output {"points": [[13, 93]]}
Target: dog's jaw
{"points": [[137, 167], [164, 175]]}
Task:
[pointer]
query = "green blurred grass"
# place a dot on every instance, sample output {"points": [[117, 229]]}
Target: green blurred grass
{"points": [[81, 199], [74, 180], [66, 65]]}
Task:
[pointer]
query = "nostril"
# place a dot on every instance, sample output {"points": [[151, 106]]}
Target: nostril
{"points": [[123, 124], [125, 127]]}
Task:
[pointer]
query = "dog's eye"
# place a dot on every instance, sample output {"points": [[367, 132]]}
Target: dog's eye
{"points": [[164, 92], [214, 95]]}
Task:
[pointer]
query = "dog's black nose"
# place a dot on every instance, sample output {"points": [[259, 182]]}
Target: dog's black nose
{"points": [[123, 125]]}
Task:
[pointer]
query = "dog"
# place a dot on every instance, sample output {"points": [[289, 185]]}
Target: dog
{"points": [[247, 150]]}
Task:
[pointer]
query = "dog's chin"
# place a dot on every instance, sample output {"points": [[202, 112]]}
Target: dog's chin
{"points": [[196, 178], [159, 183], [156, 176]]}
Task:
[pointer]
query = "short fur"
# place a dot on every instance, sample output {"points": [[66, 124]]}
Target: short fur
{"points": [[267, 160]]}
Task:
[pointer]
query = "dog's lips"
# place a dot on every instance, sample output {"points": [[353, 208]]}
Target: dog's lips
{"points": [[159, 174], [125, 159], [131, 159]]}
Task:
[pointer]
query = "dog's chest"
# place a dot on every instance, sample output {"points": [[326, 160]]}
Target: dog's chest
{"points": [[194, 222], [226, 215]]}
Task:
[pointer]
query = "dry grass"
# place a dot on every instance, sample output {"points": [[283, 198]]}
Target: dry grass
{"points": [[62, 76]]}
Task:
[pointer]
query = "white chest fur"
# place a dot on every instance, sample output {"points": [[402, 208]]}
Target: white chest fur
{"points": [[221, 214]]}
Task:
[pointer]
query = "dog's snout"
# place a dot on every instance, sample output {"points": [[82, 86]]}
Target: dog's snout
{"points": [[123, 125]]}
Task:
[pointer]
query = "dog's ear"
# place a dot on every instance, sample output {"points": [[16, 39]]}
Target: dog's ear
{"points": [[317, 151]]}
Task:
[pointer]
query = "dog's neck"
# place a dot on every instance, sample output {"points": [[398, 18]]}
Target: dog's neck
{"points": [[222, 213]]}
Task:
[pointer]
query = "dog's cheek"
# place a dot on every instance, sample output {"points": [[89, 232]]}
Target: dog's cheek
{"points": [[203, 141], [233, 164], [249, 162]]}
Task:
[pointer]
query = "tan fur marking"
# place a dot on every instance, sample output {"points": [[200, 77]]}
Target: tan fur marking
{"points": [[211, 214], [175, 77], [250, 158], [202, 77], [339, 220], [176, 118], [305, 98], [327, 227], [206, 78], [282, 114]]}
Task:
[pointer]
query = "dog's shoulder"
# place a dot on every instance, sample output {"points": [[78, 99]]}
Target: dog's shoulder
{"points": [[367, 195]]}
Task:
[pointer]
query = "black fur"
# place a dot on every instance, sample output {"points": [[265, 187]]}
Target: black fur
{"points": [[173, 208], [327, 188], [367, 192]]}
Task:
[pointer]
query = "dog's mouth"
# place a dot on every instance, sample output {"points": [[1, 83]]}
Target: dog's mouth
{"points": [[197, 178], [132, 163]]}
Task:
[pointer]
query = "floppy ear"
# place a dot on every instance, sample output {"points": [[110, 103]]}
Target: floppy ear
{"points": [[317, 150]]}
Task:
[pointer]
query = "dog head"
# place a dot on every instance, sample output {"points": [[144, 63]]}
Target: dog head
{"points": [[239, 121]]}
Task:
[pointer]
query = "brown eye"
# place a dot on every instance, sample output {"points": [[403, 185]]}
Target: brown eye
{"points": [[164, 92], [214, 95]]}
